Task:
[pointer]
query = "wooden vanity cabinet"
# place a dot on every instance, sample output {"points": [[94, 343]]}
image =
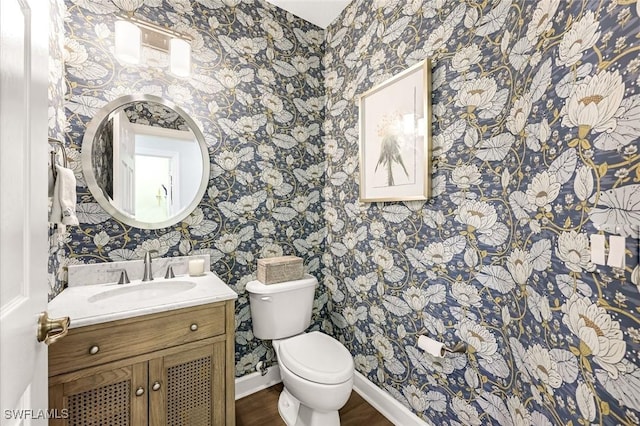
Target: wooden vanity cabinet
{"points": [[189, 381], [103, 396]]}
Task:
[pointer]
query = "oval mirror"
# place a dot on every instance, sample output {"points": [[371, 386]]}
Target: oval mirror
{"points": [[145, 161]]}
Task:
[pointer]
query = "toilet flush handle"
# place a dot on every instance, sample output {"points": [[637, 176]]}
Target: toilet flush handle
{"points": [[266, 298]]}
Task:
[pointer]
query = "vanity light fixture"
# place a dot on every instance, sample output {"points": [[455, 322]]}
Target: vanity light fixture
{"points": [[132, 33]]}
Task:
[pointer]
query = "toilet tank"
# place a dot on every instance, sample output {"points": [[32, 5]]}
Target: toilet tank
{"points": [[281, 310]]}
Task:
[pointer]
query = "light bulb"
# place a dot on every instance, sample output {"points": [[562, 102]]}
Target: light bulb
{"points": [[180, 57], [127, 46]]}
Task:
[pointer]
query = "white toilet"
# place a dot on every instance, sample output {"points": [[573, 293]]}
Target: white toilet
{"points": [[316, 369]]}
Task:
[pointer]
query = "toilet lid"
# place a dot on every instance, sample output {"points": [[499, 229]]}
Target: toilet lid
{"points": [[317, 357]]}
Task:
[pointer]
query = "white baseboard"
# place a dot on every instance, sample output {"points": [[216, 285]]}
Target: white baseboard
{"points": [[378, 398], [254, 382], [387, 405]]}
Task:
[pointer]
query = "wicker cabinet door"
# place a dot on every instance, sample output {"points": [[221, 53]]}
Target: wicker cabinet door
{"points": [[110, 397], [188, 388]]}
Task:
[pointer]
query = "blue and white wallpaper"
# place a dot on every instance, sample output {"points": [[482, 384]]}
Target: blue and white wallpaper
{"points": [[536, 126], [256, 91], [57, 124]]}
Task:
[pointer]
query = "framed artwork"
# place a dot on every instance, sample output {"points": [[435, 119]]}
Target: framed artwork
{"points": [[395, 137]]}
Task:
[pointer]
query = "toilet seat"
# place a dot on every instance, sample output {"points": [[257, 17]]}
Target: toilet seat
{"points": [[317, 357]]}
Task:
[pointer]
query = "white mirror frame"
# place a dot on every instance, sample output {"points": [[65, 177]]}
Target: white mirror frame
{"points": [[87, 169]]}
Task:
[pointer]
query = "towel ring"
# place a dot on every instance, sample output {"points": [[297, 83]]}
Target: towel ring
{"points": [[65, 162]]}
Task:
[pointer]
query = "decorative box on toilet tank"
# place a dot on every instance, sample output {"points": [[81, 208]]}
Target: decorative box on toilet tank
{"points": [[274, 270]]}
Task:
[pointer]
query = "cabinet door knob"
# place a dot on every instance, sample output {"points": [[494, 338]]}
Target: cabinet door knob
{"points": [[140, 391], [94, 349], [156, 386], [194, 327]]}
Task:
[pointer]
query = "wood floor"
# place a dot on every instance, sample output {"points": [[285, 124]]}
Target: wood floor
{"points": [[261, 409]]}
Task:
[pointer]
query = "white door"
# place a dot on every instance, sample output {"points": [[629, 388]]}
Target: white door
{"points": [[124, 164], [23, 209]]}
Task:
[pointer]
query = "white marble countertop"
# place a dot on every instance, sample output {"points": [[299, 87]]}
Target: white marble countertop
{"points": [[98, 303]]}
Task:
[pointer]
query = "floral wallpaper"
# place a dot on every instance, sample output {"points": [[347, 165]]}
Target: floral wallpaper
{"points": [[102, 157], [536, 126], [154, 114], [256, 91], [57, 121]]}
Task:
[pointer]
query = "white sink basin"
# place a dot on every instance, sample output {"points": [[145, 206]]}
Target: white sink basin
{"points": [[152, 290], [98, 303]]}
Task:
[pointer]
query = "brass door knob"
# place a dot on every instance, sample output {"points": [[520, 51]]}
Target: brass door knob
{"points": [[51, 330]]}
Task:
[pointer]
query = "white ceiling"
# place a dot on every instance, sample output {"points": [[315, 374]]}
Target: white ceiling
{"points": [[319, 12]]}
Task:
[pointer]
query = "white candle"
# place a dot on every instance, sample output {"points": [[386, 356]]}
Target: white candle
{"points": [[196, 267]]}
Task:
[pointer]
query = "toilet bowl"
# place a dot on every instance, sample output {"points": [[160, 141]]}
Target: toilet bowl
{"points": [[317, 370], [304, 403]]}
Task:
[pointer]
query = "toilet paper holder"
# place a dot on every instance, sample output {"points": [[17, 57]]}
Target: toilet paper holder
{"points": [[437, 348], [458, 348]]}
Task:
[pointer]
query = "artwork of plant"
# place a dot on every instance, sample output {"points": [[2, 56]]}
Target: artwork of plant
{"points": [[390, 133]]}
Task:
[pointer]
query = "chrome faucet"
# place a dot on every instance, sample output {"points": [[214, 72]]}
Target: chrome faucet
{"points": [[169, 273], [148, 272], [124, 278]]}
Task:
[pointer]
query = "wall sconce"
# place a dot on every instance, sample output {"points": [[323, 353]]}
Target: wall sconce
{"points": [[133, 33]]}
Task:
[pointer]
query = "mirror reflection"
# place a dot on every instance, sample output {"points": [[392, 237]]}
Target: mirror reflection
{"points": [[147, 162]]}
